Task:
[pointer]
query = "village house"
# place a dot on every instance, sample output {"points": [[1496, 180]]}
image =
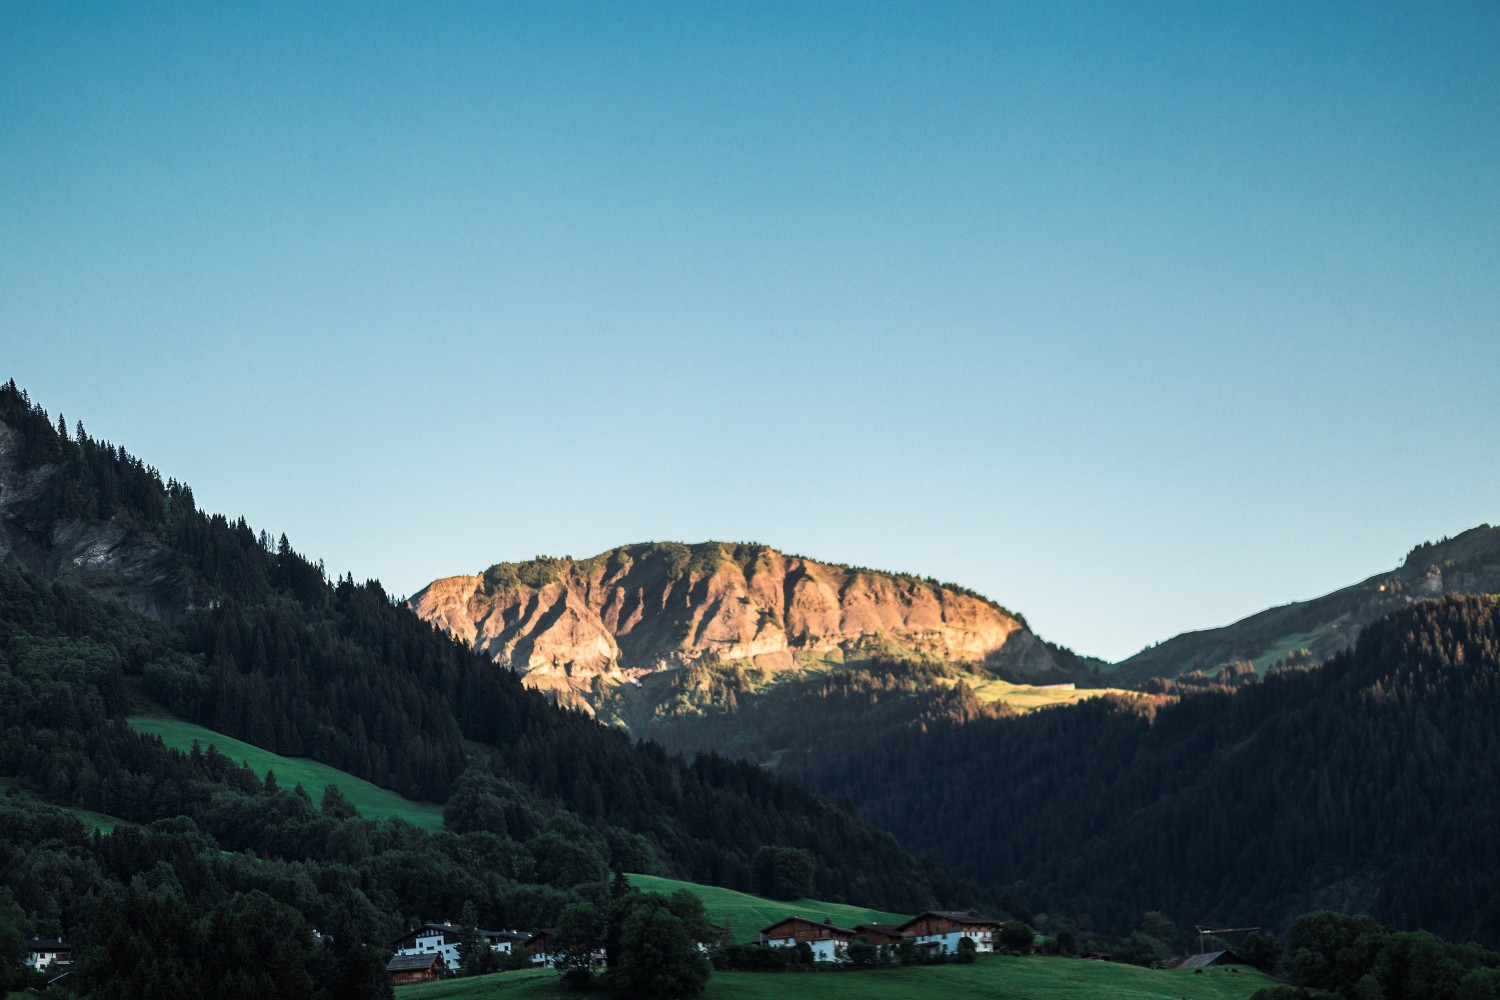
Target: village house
{"points": [[547, 951], [880, 935], [826, 940], [407, 969], [541, 948], [504, 941], [443, 939], [941, 930], [44, 952]]}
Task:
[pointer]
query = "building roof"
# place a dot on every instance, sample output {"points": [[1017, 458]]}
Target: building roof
{"points": [[894, 930], [1202, 960], [506, 935], [47, 944], [825, 922], [413, 963], [967, 918]]}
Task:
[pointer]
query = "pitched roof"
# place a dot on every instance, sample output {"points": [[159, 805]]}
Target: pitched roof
{"points": [[964, 917], [47, 944], [506, 935], [413, 963], [807, 920], [894, 930]]}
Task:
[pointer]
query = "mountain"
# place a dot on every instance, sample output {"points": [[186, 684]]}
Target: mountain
{"points": [[1306, 632], [118, 596], [641, 609], [1368, 784]]}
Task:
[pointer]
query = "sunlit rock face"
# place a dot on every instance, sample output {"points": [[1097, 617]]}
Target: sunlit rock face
{"points": [[642, 608]]}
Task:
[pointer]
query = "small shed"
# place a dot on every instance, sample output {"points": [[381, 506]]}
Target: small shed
{"points": [[407, 969]]}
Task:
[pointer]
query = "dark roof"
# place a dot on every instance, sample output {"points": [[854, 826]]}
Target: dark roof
{"points": [[445, 928], [894, 930], [506, 935], [413, 963], [957, 916], [1203, 959], [807, 920], [47, 944]]}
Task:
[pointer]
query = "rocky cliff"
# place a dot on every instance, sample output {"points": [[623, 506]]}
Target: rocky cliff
{"points": [[643, 608]]}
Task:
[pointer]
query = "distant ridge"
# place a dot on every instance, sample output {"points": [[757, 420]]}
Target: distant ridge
{"points": [[1307, 632]]}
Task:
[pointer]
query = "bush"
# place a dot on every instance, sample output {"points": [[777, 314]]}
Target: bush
{"points": [[966, 950], [751, 958]]}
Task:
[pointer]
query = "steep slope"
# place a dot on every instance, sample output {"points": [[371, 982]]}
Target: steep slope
{"points": [[640, 609], [1310, 631], [1368, 784], [258, 645]]}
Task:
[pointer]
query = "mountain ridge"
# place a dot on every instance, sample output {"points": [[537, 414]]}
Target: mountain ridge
{"points": [[637, 609]]}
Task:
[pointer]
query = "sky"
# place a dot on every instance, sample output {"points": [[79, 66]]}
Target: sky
{"points": [[1136, 317]]}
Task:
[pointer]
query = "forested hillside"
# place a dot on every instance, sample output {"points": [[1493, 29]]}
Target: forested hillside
{"points": [[1369, 784], [249, 638]]}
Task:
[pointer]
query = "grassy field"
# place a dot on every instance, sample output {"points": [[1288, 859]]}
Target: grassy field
{"points": [[1025, 697], [1032, 978], [372, 801], [745, 915]]}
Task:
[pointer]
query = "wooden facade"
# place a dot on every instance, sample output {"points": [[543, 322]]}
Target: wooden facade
{"points": [[407, 969]]}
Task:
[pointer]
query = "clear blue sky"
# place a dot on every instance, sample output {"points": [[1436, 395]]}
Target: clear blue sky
{"points": [[1137, 317]]}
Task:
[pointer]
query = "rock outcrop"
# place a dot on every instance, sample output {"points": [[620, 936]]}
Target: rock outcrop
{"points": [[643, 608], [109, 557]]}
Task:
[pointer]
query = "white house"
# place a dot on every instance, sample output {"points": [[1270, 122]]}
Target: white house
{"points": [[826, 940], [942, 929], [443, 939], [44, 952]]}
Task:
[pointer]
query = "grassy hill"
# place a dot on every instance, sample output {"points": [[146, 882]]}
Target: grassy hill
{"points": [[372, 801], [745, 914], [1032, 978]]}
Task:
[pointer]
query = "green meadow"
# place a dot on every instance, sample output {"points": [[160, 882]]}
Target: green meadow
{"points": [[1031, 978], [372, 801], [745, 914]]}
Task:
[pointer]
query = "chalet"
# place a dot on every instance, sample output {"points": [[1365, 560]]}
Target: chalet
{"points": [[42, 953], [544, 951], [406, 969], [504, 941], [880, 934], [1203, 960], [826, 940], [941, 930]]}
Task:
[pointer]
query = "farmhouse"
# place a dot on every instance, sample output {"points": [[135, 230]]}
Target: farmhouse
{"points": [[44, 952], [405, 969], [443, 939], [826, 940], [941, 930], [504, 941], [543, 951], [879, 934]]}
